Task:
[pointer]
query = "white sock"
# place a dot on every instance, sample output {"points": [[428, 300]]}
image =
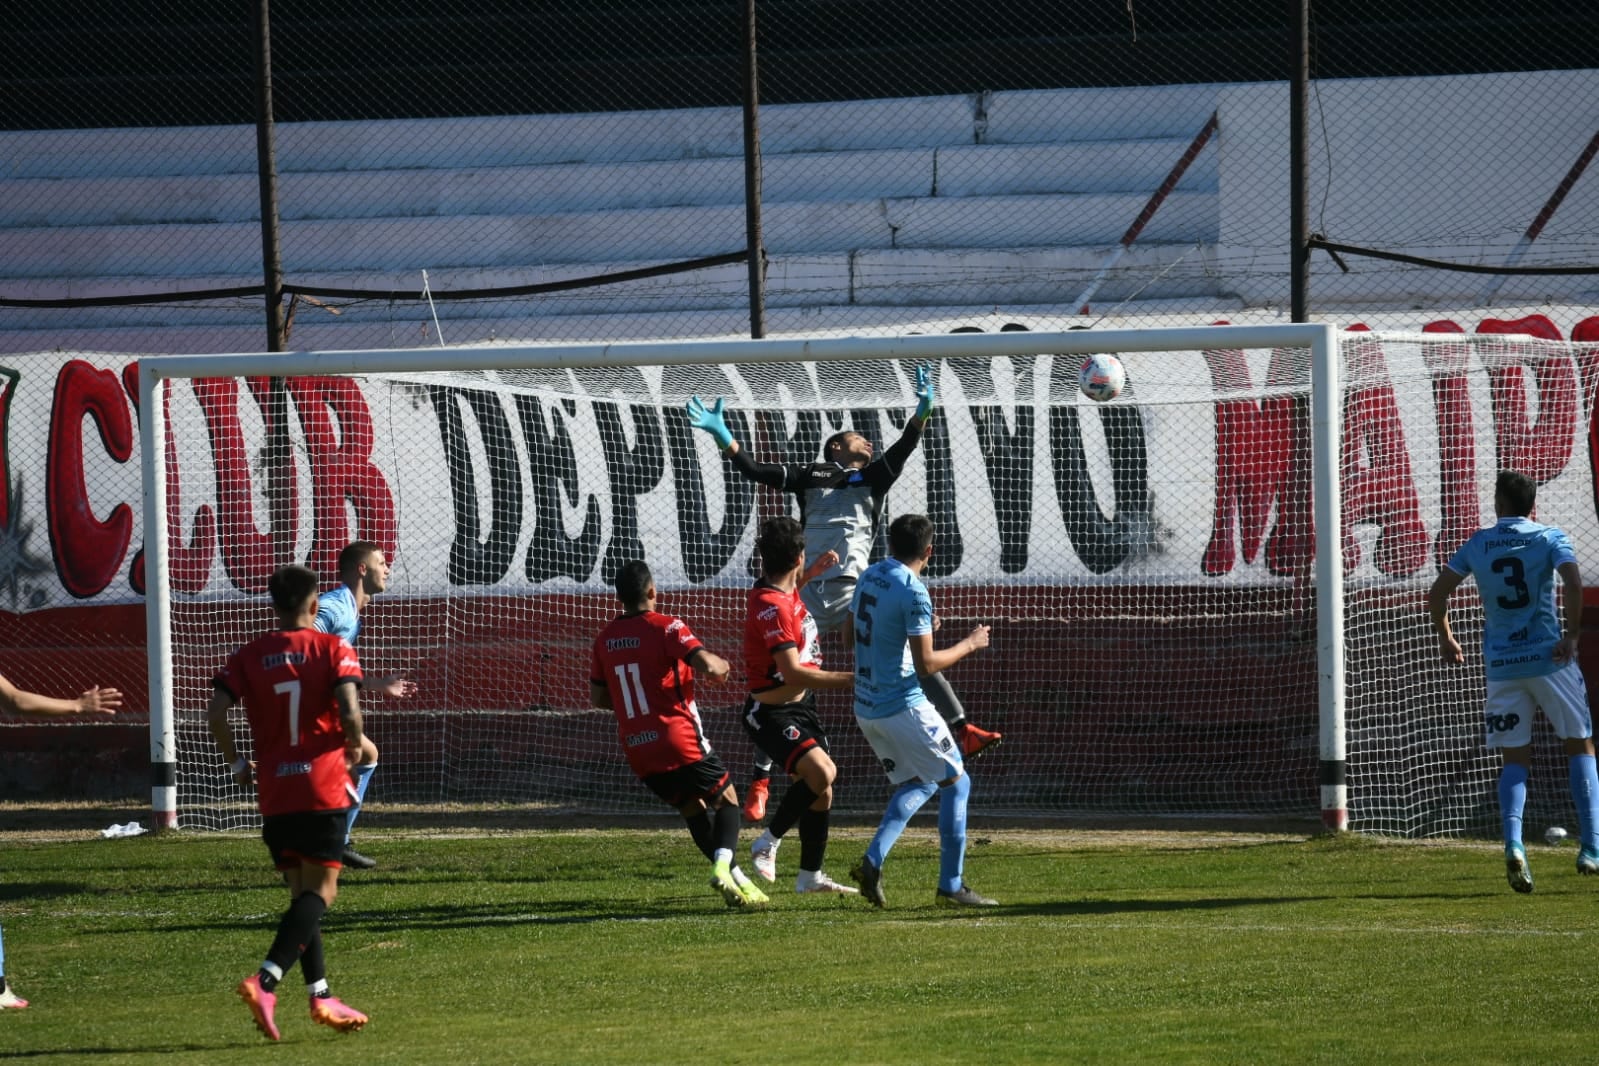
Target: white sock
{"points": [[274, 969], [316, 988], [721, 857]]}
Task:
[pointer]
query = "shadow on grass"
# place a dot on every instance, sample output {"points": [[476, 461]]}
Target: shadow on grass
{"points": [[1137, 906], [146, 1049], [34, 891]]}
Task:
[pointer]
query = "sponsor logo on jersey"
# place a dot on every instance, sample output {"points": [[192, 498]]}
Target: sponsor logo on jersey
{"points": [[675, 625], [1513, 660], [619, 643], [282, 658], [767, 614], [293, 769], [773, 634], [649, 736]]}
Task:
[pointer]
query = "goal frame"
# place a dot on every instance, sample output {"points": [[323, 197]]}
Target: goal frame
{"points": [[1325, 416]]}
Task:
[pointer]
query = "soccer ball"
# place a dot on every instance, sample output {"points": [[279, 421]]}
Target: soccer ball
{"points": [[1554, 834], [1102, 377]]}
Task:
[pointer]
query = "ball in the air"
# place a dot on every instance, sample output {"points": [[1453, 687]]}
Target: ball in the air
{"points": [[1554, 834], [1102, 377]]}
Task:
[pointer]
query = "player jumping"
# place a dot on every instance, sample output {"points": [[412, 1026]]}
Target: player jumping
{"points": [[642, 670], [842, 500], [300, 693]]}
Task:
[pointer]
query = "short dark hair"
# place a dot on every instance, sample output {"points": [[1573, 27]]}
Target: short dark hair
{"points": [[354, 554], [1516, 491], [781, 544], [835, 441], [290, 587], [909, 535], [633, 583]]}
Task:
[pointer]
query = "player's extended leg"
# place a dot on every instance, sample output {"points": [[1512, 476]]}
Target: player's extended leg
{"points": [[326, 1008], [1512, 802], [312, 889], [8, 998], [1584, 779], [973, 740], [952, 887], [905, 802], [362, 775], [817, 770]]}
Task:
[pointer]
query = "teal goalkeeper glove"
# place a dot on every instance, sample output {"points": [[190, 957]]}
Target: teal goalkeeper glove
{"points": [[924, 391], [710, 420]]}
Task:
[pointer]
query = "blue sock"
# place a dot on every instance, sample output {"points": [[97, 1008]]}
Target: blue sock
{"points": [[952, 832], [906, 801], [1585, 793], [1512, 799], [363, 777]]}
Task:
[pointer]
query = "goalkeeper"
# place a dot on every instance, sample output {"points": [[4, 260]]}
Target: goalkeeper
{"points": [[842, 500]]}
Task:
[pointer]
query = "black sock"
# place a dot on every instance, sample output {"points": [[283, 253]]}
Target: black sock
{"points": [[795, 801], [813, 839], [313, 964], [300, 922], [699, 827], [725, 828]]}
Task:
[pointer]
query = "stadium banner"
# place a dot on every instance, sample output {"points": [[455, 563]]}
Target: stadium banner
{"points": [[501, 486]]}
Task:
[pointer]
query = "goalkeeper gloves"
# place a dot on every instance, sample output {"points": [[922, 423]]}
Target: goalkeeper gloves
{"points": [[924, 391], [710, 420]]}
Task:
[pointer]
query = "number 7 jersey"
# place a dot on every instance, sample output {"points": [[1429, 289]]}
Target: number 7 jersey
{"points": [[1514, 563]]}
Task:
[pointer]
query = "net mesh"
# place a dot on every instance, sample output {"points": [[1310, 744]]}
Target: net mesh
{"points": [[1146, 564]]}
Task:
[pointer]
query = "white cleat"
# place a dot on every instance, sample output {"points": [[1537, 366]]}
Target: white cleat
{"points": [[820, 882], [763, 856]]}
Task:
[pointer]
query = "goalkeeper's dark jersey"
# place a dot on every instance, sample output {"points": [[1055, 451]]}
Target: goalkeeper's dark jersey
{"points": [[841, 508]]}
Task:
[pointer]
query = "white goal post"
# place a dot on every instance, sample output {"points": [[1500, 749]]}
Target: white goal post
{"points": [[1169, 633]]}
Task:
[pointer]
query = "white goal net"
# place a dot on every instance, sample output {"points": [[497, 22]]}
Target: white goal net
{"points": [[1148, 565]]}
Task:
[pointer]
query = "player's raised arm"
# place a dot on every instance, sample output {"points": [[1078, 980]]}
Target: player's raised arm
{"points": [[929, 661], [711, 420], [95, 701], [820, 565]]}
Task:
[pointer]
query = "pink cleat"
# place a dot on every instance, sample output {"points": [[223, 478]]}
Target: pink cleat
{"points": [[9, 1000], [261, 1004], [333, 1013]]}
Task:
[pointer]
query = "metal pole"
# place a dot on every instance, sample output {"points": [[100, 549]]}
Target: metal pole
{"points": [[266, 160], [1299, 164], [752, 178]]}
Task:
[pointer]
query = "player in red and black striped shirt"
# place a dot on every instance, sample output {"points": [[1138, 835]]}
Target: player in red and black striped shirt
{"points": [[642, 671], [299, 687]]}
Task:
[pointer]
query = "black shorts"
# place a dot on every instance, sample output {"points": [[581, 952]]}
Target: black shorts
{"points": [[704, 780], [306, 836], [786, 731]]}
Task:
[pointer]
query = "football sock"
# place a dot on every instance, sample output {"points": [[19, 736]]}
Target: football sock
{"points": [[363, 777], [1512, 799], [796, 801], [724, 828], [270, 974], [300, 923], [763, 767], [938, 692], [313, 965], [1585, 794], [906, 801], [318, 989], [699, 827], [813, 839], [952, 832]]}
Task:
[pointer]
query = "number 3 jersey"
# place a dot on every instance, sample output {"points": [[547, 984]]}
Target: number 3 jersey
{"points": [[642, 660], [285, 679], [1514, 563]]}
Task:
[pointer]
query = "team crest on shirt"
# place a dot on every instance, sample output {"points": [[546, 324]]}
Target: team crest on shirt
{"points": [[791, 732]]}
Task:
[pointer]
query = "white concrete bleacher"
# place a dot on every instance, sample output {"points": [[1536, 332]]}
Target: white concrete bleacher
{"points": [[949, 202]]}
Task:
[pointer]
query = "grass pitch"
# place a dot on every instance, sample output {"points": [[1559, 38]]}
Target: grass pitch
{"points": [[607, 946]]}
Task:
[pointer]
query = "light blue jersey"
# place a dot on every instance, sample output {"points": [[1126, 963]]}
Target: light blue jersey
{"points": [[336, 613], [1514, 563], [890, 606]]}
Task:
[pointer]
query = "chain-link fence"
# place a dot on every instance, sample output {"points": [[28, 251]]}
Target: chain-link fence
{"points": [[473, 170]]}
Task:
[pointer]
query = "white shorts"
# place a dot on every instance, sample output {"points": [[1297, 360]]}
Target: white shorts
{"points": [[828, 601], [914, 744], [1561, 696]]}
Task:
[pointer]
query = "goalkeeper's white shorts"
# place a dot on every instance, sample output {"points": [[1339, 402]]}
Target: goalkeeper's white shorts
{"points": [[1562, 697]]}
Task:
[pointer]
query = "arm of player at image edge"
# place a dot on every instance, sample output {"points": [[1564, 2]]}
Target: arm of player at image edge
{"points": [[1438, 606], [930, 661], [1571, 603], [97, 700]]}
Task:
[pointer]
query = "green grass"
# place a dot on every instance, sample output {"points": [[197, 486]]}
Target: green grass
{"points": [[607, 946]]}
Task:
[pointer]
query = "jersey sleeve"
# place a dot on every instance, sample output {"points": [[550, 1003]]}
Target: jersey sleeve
{"points": [[229, 678], [775, 621], [680, 640], [776, 475], [596, 662], [1460, 562], [918, 611], [346, 664], [1560, 550], [336, 615]]}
